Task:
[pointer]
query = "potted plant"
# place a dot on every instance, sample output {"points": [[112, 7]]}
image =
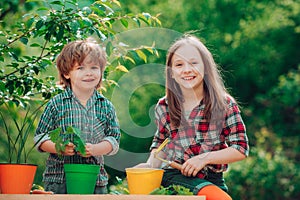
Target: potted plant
{"points": [[80, 178], [16, 175]]}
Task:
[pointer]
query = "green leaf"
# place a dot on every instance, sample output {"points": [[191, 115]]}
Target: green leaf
{"points": [[35, 45], [147, 15], [36, 70], [144, 18], [10, 88], [19, 91], [2, 86], [77, 141], [13, 55], [137, 21], [74, 25], [117, 2], [54, 135], [124, 22], [57, 3], [109, 49], [42, 8], [87, 21], [24, 40], [111, 82], [60, 33], [39, 24], [73, 2], [46, 95], [122, 68], [130, 59], [29, 22], [141, 55], [99, 33]]}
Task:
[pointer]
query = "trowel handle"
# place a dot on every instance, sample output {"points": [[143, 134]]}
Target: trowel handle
{"points": [[175, 165]]}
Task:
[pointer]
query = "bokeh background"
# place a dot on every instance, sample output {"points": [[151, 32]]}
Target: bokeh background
{"points": [[255, 43]]}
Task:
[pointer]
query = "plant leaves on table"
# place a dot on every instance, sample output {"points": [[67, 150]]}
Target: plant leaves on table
{"points": [[172, 190]]}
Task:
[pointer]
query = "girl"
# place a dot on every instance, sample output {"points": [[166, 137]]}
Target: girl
{"points": [[201, 120]]}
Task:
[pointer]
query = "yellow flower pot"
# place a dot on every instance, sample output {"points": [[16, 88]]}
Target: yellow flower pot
{"points": [[143, 180]]}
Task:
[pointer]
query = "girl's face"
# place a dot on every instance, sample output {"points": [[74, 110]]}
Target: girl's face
{"points": [[188, 68], [84, 77]]}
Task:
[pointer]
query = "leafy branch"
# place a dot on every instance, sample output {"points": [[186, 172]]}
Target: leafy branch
{"points": [[45, 32]]}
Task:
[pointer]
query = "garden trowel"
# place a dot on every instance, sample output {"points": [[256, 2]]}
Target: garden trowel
{"points": [[172, 164]]}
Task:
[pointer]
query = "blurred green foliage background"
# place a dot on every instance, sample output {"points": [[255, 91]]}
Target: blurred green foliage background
{"points": [[256, 43]]}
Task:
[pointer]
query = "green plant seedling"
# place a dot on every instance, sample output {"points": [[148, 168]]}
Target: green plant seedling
{"points": [[62, 139]]}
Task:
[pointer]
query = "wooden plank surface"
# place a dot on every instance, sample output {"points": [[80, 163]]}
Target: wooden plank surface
{"points": [[96, 197]]}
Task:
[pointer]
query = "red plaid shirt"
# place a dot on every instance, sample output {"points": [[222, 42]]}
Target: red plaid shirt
{"points": [[199, 136]]}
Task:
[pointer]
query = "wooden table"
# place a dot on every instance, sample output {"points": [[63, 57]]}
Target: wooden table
{"points": [[96, 197]]}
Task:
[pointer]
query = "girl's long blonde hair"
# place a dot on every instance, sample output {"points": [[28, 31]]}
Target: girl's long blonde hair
{"points": [[214, 89]]}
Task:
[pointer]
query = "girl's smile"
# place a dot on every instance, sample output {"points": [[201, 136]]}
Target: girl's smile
{"points": [[188, 68], [188, 78]]}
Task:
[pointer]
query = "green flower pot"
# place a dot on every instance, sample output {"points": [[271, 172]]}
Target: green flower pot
{"points": [[81, 178]]}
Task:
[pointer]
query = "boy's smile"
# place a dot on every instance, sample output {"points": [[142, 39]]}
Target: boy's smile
{"points": [[84, 77]]}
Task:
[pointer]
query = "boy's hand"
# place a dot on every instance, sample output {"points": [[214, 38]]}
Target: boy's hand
{"points": [[69, 150], [88, 150]]}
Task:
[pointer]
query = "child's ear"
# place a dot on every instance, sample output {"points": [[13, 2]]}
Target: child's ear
{"points": [[67, 76]]}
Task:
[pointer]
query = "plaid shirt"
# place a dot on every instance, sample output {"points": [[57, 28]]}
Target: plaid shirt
{"points": [[199, 136], [97, 122]]}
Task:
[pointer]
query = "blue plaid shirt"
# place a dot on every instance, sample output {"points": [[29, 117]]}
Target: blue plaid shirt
{"points": [[97, 122]]}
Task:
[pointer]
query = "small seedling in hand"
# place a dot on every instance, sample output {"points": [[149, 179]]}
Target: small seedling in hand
{"points": [[62, 139]]}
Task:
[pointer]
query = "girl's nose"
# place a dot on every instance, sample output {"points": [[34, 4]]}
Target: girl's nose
{"points": [[187, 66]]}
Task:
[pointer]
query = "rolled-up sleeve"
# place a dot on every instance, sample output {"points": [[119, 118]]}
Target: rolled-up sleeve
{"points": [[39, 139], [113, 133], [235, 131], [45, 125], [114, 143]]}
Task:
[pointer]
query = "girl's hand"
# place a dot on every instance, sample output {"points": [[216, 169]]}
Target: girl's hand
{"points": [[193, 165], [69, 150], [143, 165]]}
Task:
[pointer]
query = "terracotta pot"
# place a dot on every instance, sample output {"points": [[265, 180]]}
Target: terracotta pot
{"points": [[16, 178]]}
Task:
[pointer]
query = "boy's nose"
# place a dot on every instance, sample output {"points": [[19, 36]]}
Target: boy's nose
{"points": [[89, 72]]}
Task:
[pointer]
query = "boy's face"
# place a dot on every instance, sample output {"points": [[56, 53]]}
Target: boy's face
{"points": [[84, 77]]}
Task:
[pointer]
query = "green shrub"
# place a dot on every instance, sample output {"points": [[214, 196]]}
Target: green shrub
{"points": [[264, 176]]}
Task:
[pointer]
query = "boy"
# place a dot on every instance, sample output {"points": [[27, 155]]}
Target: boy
{"points": [[80, 66]]}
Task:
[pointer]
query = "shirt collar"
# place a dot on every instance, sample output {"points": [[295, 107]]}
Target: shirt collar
{"points": [[69, 94]]}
